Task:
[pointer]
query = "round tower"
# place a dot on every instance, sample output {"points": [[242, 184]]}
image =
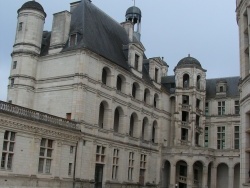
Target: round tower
{"points": [[26, 51], [190, 79], [133, 14]]}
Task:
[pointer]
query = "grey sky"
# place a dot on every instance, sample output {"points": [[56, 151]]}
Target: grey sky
{"points": [[170, 28]]}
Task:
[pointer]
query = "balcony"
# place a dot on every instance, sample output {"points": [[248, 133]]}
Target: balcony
{"points": [[185, 123], [182, 179], [30, 114], [185, 107]]}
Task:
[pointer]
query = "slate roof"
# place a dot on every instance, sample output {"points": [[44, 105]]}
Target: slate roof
{"points": [[232, 86], [99, 33]]}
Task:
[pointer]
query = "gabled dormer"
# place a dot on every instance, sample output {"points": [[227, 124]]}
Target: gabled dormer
{"points": [[157, 69], [221, 88], [135, 57]]}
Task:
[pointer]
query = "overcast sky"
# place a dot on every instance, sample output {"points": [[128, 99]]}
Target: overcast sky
{"points": [[170, 28]]}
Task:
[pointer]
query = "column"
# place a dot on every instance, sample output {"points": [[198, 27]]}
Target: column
{"points": [[204, 176], [231, 177], [213, 176], [78, 160], [190, 177], [172, 175]]}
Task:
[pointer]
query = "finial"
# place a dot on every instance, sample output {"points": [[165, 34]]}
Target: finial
{"points": [[134, 2], [188, 55]]}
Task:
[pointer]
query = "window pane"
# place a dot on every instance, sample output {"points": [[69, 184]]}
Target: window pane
{"points": [[9, 164], [49, 152], [40, 165], [47, 167], [6, 134], [3, 160], [50, 143], [12, 136], [42, 151], [43, 141], [5, 145], [11, 147]]}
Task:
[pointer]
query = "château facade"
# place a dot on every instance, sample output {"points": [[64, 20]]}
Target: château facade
{"points": [[87, 108]]}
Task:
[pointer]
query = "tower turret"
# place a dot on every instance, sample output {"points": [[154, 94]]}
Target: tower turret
{"points": [[26, 50], [133, 14]]}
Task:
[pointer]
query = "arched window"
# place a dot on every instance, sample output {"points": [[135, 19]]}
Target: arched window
{"points": [[146, 96], [154, 132], [118, 120], [156, 100], [106, 76], [120, 83], [102, 114], [221, 89], [135, 90], [185, 81], [144, 128], [132, 127], [198, 84]]}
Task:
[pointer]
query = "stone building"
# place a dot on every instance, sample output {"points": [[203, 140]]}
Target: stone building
{"points": [[87, 108], [243, 20]]}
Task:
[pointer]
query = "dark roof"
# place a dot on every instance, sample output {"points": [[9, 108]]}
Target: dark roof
{"points": [[169, 83], [32, 5], [133, 10], [99, 33], [188, 62], [232, 86]]}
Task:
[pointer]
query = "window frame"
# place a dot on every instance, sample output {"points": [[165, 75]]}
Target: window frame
{"points": [[8, 150], [47, 157]]}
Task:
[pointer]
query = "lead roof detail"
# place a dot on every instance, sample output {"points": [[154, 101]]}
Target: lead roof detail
{"points": [[32, 5]]}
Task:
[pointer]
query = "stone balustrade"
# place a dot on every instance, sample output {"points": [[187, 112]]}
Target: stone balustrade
{"points": [[35, 115]]}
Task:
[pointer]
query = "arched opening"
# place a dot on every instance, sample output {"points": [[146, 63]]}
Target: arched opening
{"points": [[154, 131], [156, 100], [237, 175], [144, 128], [120, 83], [147, 96], [135, 90], [106, 76], [102, 121], [197, 173], [185, 81], [165, 178], [181, 174], [132, 126], [118, 120], [198, 80], [222, 175]]}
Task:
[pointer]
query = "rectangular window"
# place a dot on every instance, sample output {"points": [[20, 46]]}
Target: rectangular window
{"points": [[185, 99], [8, 150], [14, 64], [221, 108], [236, 107], [45, 156], [100, 154], [115, 164], [12, 81], [236, 137], [207, 108], [73, 40], [221, 137], [20, 26], [184, 134], [197, 103], [131, 166], [68, 116], [71, 149], [70, 169], [143, 161], [136, 62], [206, 136], [156, 74]]}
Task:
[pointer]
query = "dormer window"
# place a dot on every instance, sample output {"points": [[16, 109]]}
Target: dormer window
{"points": [[221, 89], [156, 74], [136, 65], [73, 40]]}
